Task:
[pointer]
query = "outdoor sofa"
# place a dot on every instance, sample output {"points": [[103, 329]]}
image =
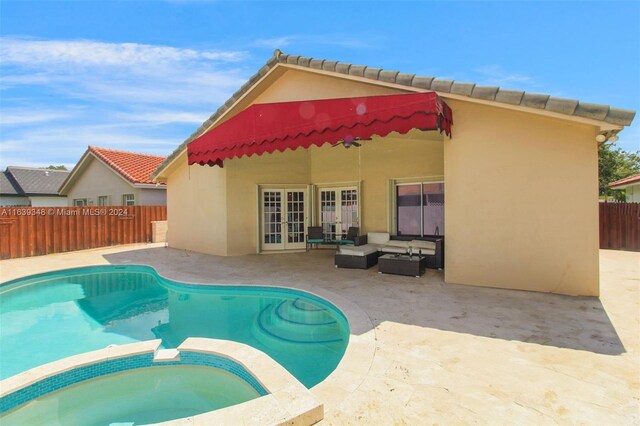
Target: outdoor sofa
{"points": [[368, 248]]}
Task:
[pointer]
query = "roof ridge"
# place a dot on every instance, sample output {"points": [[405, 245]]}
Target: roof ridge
{"points": [[546, 102], [37, 168]]}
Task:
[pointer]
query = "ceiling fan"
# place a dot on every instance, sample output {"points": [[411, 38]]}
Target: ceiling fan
{"points": [[350, 141]]}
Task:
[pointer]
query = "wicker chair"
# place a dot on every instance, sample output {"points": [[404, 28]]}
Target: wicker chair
{"points": [[352, 235], [314, 236]]}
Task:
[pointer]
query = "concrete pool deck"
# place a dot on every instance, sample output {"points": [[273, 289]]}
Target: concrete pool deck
{"points": [[441, 353]]}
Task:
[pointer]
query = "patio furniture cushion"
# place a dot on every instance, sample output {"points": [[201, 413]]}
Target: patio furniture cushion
{"points": [[358, 250], [421, 244], [378, 238], [398, 243], [392, 249]]}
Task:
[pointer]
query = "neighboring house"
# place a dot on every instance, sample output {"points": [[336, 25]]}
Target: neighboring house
{"points": [[513, 188], [631, 186], [107, 177], [30, 186]]}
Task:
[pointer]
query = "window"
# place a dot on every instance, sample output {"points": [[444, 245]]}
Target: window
{"points": [[128, 200], [103, 200], [420, 209], [78, 202]]}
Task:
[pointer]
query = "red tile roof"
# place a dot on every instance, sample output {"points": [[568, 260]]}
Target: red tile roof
{"points": [[136, 168], [626, 181]]}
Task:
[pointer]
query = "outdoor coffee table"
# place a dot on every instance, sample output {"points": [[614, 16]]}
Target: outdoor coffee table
{"points": [[402, 264]]}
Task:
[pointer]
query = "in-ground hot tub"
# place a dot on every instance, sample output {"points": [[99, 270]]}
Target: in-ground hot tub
{"points": [[139, 384]]}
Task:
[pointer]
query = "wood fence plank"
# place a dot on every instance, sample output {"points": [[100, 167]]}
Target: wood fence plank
{"points": [[619, 226]]}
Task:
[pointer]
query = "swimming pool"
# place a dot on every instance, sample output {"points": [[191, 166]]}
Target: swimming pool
{"points": [[50, 316]]}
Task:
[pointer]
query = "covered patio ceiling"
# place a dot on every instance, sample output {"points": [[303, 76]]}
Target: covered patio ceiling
{"points": [[289, 125]]}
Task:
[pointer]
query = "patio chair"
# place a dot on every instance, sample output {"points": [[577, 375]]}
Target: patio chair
{"points": [[352, 234], [314, 236]]}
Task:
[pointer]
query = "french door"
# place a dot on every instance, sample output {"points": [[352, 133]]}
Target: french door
{"points": [[283, 219], [338, 210]]}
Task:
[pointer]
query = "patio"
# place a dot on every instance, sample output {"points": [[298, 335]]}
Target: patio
{"points": [[434, 353]]}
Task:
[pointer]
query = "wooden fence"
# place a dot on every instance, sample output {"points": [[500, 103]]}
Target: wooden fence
{"points": [[34, 231], [620, 226]]}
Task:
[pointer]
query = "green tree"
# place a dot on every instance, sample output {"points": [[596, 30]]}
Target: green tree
{"points": [[615, 164], [52, 167]]}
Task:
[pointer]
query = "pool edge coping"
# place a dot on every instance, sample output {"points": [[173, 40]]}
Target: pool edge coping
{"points": [[288, 401]]}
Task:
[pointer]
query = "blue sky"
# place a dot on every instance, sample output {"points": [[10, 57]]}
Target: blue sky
{"points": [[143, 75]]}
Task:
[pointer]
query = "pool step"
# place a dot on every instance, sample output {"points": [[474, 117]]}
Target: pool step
{"points": [[280, 324]]}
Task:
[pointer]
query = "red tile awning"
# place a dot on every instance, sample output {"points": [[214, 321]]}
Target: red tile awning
{"points": [[289, 125]]}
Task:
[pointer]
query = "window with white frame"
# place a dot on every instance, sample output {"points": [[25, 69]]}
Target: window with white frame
{"points": [[79, 202], [103, 200], [420, 208], [128, 200]]}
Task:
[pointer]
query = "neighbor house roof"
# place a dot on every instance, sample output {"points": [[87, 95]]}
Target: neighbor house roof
{"points": [[134, 167], [7, 187], [630, 180], [33, 181], [545, 102]]}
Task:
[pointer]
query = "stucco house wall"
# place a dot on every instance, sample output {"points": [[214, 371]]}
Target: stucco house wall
{"points": [[633, 193], [197, 209], [15, 201], [152, 197], [97, 180], [521, 201], [48, 201], [520, 187]]}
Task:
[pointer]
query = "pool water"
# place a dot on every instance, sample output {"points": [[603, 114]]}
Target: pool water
{"points": [[51, 316], [142, 396]]}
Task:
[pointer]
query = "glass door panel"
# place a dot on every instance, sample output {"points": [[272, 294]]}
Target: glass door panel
{"points": [[409, 209], [328, 213], [433, 211], [295, 224], [348, 210], [338, 211], [272, 220], [283, 219]]}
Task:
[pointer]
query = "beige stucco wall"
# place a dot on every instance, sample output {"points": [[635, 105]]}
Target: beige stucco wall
{"points": [[15, 201], [152, 197], [48, 201], [633, 193], [417, 156], [197, 209], [521, 201], [521, 189], [243, 177], [97, 180]]}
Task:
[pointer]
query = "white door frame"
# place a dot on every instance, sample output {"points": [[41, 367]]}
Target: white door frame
{"points": [[288, 231], [337, 190]]}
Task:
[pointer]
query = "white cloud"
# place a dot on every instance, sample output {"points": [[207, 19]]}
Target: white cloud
{"points": [[324, 39], [32, 53], [494, 75], [121, 72], [60, 96], [65, 145], [20, 116], [154, 118]]}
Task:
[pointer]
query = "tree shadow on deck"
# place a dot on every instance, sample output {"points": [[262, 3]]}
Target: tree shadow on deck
{"points": [[579, 323]]}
